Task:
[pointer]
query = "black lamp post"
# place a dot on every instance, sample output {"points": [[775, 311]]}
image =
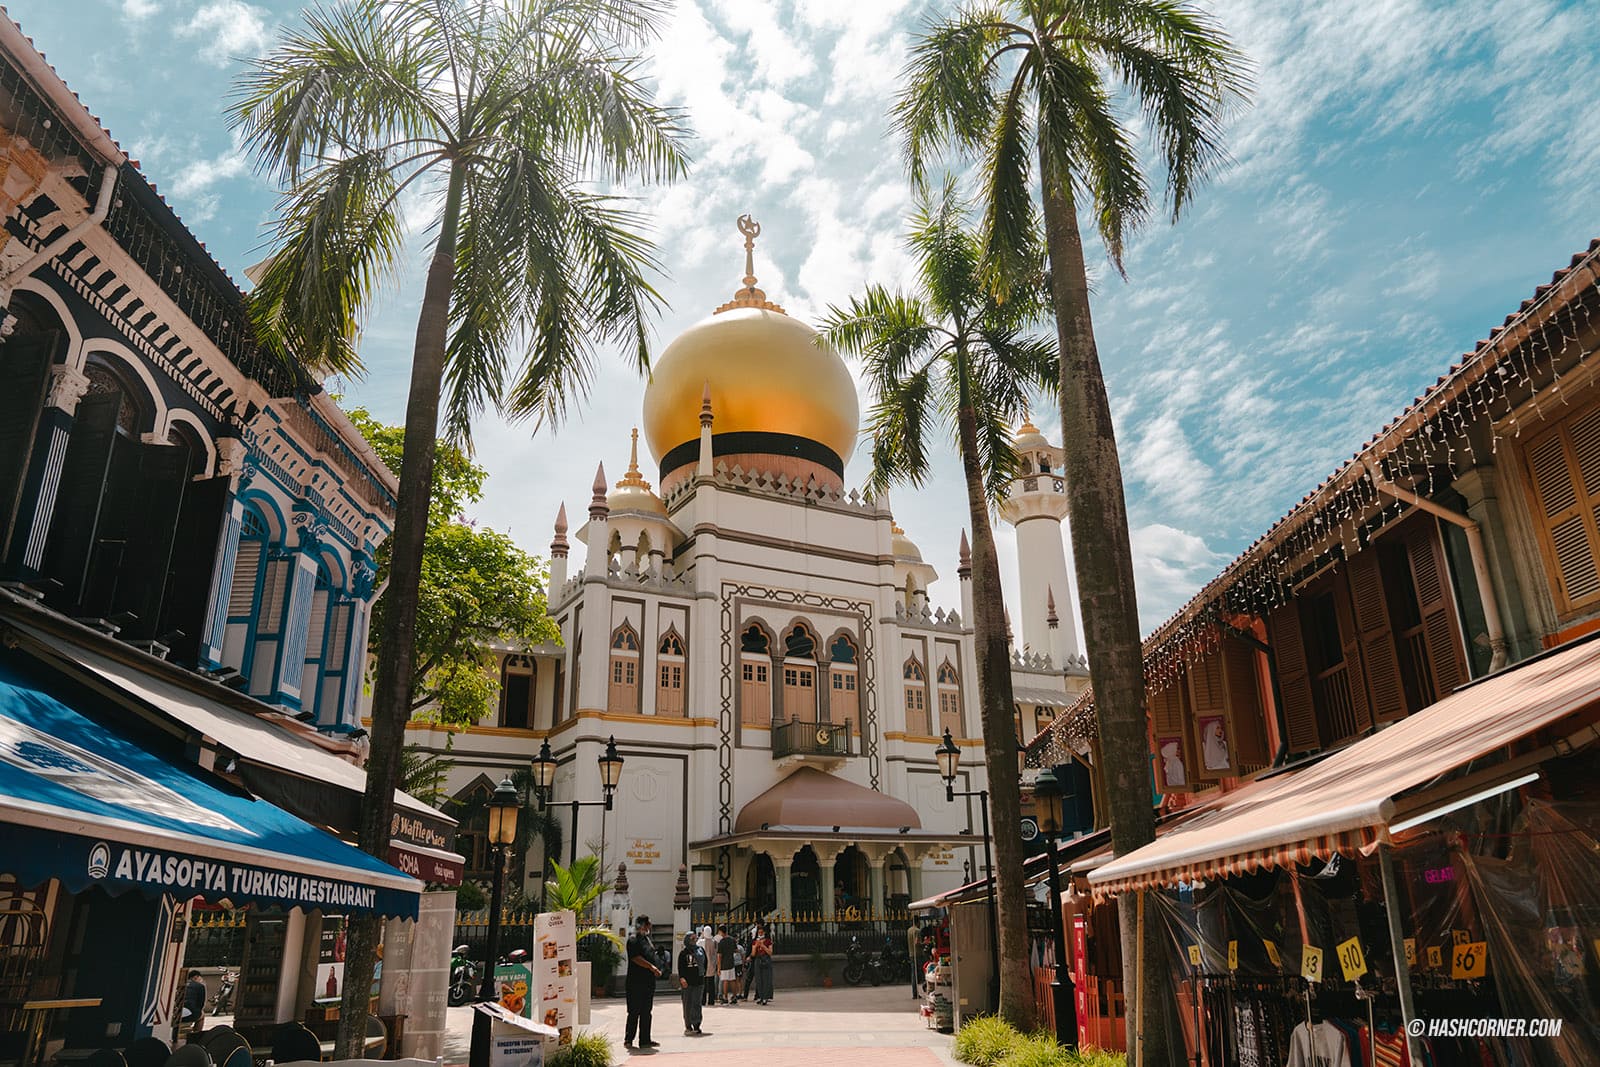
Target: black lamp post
{"points": [[503, 808], [949, 757], [544, 777], [1047, 789]]}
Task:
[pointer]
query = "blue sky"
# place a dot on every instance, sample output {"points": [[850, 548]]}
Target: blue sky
{"points": [[1408, 172]]}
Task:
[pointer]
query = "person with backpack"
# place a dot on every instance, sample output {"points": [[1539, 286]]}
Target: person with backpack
{"points": [[691, 981]]}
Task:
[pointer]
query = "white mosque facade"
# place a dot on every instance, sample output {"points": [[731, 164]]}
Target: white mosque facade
{"points": [[758, 639]]}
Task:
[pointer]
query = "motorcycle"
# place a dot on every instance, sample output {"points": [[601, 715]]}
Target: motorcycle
{"points": [[465, 976], [859, 966], [222, 1002], [893, 963]]}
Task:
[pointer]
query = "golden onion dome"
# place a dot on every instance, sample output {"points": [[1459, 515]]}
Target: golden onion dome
{"points": [[902, 547], [774, 390], [633, 492], [1028, 437]]}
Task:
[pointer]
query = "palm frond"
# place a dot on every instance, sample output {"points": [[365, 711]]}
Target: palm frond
{"points": [[948, 96], [1009, 227]]}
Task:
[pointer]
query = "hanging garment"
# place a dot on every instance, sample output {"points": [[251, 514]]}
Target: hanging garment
{"points": [[1322, 1045]]}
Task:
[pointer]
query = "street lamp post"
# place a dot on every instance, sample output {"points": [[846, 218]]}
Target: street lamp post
{"points": [[1047, 789], [948, 756], [544, 777], [503, 806]]}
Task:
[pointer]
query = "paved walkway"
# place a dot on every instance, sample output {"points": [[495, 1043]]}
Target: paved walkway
{"points": [[840, 1027]]}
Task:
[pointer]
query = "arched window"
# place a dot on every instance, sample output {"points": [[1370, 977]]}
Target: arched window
{"points": [[517, 674], [623, 694], [916, 690], [949, 699], [669, 674], [257, 602], [800, 673], [755, 683], [843, 682], [472, 834]]}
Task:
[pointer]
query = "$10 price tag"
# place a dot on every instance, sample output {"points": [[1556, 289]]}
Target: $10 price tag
{"points": [[1351, 959]]}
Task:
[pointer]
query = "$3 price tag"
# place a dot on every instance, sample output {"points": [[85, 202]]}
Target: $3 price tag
{"points": [[1194, 955], [1311, 963]]}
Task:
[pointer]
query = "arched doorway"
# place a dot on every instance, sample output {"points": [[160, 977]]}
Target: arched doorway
{"points": [[805, 887], [760, 885], [852, 888]]}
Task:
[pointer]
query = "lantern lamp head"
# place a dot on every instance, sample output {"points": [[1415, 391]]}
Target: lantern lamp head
{"points": [[610, 770], [503, 807]]}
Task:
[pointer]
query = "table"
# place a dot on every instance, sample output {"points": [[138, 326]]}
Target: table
{"points": [[40, 1013]]}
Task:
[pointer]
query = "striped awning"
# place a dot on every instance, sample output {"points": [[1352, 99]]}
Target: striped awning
{"points": [[1346, 802]]}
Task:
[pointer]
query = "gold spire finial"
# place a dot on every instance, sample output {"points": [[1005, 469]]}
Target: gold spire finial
{"points": [[1027, 421], [633, 479], [749, 296]]}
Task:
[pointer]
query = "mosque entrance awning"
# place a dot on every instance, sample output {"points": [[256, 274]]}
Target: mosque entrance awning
{"points": [[812, 805]]}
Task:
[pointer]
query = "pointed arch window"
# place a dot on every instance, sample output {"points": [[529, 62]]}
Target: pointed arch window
{"points": [[949, 691], [800, 673], [916, 691], [517, 674], [843, 682], [670, 665], [755, 682], [623, 691]]}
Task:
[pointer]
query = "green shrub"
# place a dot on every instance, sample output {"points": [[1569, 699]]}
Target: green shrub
{"points": [[1098, 1057], [470, 897], [984, 1041], [1039, 1050], [588, 1049]]}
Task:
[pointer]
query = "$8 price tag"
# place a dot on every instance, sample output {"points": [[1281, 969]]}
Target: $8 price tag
{"points": [[1233, 955], [1272, 952], [1435, 957], [1469, 959]]}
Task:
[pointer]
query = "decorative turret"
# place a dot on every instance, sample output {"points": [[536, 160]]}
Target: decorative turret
{"points": [[595, 534], [558, 551], [707, 448], [964, 573], [1036, 505], [638, 519]]}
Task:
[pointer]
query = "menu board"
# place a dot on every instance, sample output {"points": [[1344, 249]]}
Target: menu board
{"points": [[554, 996]]}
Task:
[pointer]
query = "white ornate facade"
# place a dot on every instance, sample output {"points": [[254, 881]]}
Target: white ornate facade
{"points": [[759, 640]]}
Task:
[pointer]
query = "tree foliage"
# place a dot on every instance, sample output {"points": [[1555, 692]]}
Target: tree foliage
{"points": [[478, 590]]}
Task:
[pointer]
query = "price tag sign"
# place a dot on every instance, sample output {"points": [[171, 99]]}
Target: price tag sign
{"points": [[1311, 963], [1194, 955], [1459, 937], [1597, 950], [1351, 959], [1435, 957], [1411, 952], [1233, 955], [1272, 952], [1469, 959]]}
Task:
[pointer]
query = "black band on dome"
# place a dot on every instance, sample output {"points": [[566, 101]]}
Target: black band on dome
{"points": [[756, 442]]}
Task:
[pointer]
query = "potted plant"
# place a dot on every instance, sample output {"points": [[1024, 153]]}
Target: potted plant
{"points": [[599, 948], [575, 889], [823, 967]]}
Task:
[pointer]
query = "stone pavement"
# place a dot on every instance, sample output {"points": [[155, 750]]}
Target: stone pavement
{"points": [[839, 1027]]}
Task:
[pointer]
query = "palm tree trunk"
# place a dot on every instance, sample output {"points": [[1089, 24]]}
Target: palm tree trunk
{"points": [[997, 709], [391, 691], [1104, 562]]}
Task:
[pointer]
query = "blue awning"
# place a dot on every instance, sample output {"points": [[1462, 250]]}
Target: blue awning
{"points": [[82, 803]]}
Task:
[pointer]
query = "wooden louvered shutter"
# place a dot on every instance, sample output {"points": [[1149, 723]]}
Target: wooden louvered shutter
{"points": [[1294, 678], [1212, 737], [1378, 653], [246, 569], [1564, 466], [74, 525], [1440, 633], [1175, 766], [1360, 710], [163, 477], [1241, 689], [25, 369]]}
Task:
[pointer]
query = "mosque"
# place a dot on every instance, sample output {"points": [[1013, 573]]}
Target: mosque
{"points": [[757, 637]]}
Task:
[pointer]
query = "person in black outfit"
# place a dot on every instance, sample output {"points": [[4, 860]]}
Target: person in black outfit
{"points": [[691, 980], [194, 1003], [727, 970], [644, 967]]}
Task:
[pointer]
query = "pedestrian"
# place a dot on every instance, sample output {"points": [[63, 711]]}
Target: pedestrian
{"points": [[644, 967], [194, 1003], [761, 966], [727, 965], [691, 982], [708, 949]]}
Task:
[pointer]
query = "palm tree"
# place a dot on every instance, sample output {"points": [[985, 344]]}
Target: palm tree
{"points": [[494, 116], [1027, 84], [952, 357]]}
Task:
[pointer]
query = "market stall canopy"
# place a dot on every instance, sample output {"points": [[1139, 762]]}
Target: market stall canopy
{"points": [[90, 806], [1044, 698], [291, 771], [1352, 799]]}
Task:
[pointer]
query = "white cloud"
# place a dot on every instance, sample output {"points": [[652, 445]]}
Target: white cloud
{"points": [[226, 30], [137, 10]]}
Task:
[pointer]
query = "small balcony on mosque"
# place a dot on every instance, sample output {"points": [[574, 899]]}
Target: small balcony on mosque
{"points": [[811, 743]]}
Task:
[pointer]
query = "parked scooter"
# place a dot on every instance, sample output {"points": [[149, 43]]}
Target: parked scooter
{"points": [[222, 1002], [465, 976]]}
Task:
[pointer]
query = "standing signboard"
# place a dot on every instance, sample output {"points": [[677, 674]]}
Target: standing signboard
{"points": [[555, 972]]}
